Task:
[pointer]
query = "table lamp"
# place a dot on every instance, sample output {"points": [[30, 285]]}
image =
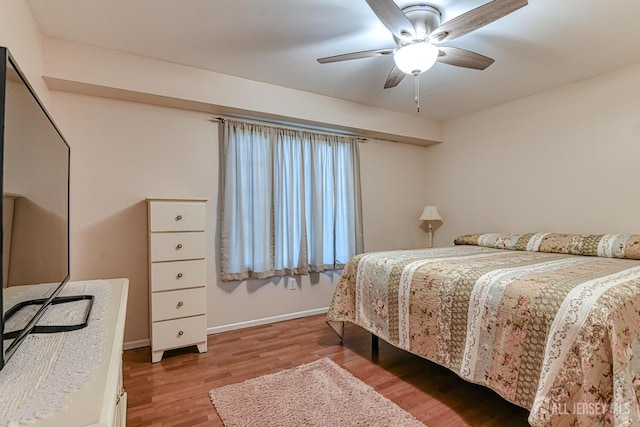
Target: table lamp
{"points": [[430, 213]]}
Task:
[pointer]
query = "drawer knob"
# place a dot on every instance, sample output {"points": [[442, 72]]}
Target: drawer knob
{"points": [[179, 276], [179, 246], [180, 333], [179, 217], [180, 304]]}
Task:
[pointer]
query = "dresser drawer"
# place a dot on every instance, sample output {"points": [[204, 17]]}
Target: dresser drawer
{"points": [[176, 216], [177, 246], [179, 332], [170, 275], [176, 304]]}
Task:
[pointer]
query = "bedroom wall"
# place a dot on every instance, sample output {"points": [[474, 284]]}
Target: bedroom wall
{"points": [[393, 195], [81, 68], [564, 160], [123, 152], [19, 32]]}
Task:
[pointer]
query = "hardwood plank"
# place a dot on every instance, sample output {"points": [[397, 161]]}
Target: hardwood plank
{"points": [[174, 392]]}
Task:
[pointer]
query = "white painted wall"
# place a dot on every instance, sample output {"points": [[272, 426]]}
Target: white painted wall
{"points": [[123, 152], [565, 160], [394, 195], [86, 69], [19, 32]]}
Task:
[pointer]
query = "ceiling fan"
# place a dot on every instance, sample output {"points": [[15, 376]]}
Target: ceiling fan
{"points": [[417, 31]]}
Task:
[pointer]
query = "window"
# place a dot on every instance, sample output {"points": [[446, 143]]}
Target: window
{"points": [[290, 202]]}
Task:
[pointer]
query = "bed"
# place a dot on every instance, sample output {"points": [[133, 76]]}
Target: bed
{"points": [[549, 321]]}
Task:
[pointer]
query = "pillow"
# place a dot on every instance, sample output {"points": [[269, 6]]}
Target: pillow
{"points": [[602, 245]]}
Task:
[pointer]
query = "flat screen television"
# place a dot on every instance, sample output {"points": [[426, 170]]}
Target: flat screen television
{"points": [[35, 206]]}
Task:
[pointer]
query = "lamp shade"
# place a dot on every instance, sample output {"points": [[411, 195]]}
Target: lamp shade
{"points": [[416, 58], [430, 213]]}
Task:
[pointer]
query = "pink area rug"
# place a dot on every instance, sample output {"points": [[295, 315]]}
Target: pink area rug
{"points": [[320, 393]]}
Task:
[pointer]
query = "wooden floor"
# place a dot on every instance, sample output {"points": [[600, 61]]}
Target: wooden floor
{"points": [[174, 392]]}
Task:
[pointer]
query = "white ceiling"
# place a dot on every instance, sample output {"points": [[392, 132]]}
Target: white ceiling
{"points": [[543, 45]]}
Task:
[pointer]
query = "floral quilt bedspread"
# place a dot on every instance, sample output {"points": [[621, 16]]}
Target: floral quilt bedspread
{"points": [[558, 334]]}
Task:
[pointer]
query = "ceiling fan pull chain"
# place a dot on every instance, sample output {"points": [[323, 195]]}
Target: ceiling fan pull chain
{"points": [[417, 84]]}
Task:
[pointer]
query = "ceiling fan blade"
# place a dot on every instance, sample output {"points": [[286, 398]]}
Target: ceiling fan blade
{"points": [[395, 77], [474, 19], [393, 18], [463, 58], [356, 55]]}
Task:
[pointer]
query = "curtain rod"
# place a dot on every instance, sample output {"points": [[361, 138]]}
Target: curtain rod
{"points": [[284, 125]]}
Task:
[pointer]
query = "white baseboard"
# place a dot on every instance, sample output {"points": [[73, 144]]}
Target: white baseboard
{"points": [[265, 320], [136, 344], [130, 345]]}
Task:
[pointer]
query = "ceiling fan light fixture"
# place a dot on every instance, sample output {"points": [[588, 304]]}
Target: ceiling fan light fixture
{"points": [[416, 58]]}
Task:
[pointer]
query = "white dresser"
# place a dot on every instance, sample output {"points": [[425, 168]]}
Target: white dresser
{"points": [[177, 274], [102, 402]]}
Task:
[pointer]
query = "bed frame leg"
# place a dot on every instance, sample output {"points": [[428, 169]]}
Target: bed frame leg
{"points": [[375, 343]]}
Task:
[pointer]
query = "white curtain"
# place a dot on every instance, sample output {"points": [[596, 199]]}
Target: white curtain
{"points": [[291, 201]]}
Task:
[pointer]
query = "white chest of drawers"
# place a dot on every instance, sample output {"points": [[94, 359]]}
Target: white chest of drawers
{"points": [[177, 274]]}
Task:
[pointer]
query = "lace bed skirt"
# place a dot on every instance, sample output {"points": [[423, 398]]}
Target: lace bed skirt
{"points": [[46, 369]]}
